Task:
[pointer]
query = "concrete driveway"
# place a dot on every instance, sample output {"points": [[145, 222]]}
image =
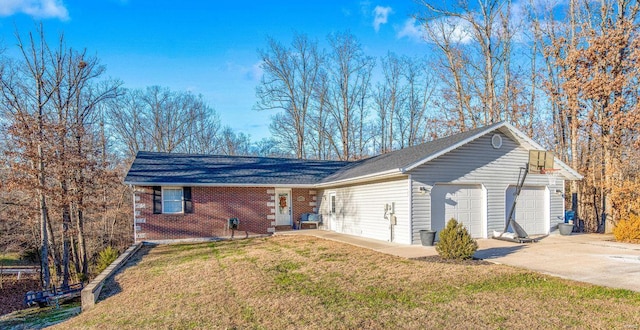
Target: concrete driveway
{"points": [[591, 258]]}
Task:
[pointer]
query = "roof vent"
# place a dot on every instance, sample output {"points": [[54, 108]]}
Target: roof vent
{"points": [[496, 141]]}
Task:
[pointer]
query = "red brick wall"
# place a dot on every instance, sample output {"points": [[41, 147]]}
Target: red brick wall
{"points": [[212, 208], [301, 206]]}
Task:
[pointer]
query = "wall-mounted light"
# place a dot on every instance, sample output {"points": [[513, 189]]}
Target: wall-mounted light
{"points": [[423, 190]]}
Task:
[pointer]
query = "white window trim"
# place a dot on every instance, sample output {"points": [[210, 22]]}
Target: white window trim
{"points": [[181, 200]]}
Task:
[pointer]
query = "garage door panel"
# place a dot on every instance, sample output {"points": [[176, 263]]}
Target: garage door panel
{"points": [[462, 202], [531, 209], [464, 217]]}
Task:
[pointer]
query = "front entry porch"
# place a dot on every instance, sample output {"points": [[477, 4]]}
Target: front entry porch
{"points": [[290, 208]]}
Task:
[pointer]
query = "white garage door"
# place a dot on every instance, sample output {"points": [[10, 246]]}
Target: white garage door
{"points": [[531, 210], [461, 202]]}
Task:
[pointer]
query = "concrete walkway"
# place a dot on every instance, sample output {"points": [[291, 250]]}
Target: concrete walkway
{"points": [[591, 258]]}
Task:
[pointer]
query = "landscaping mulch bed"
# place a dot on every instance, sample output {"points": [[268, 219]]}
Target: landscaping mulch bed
{"points": [[13, 290]]}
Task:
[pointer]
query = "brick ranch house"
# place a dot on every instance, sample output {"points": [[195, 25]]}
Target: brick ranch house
{"points": [[470, 176]]}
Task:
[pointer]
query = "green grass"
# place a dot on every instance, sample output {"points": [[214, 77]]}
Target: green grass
{"points": [[303, 282], [37, 318]]}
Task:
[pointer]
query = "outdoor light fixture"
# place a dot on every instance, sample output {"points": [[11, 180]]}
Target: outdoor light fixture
{"points": [[423, 190]]}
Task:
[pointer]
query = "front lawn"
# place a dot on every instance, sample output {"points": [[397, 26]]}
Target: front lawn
{"points": [[305, 282]]}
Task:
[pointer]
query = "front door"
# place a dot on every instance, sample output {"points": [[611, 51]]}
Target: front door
{"points": [[283, 207]]}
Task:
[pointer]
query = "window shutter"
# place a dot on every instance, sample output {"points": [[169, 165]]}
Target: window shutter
{"points": [[188, 203], [157, 200]]}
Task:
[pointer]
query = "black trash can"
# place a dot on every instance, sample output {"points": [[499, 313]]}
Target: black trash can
{"points": [[427, 237]]}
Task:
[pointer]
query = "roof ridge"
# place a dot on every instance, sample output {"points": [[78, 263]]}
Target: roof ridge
{"points": [[184, 154]]}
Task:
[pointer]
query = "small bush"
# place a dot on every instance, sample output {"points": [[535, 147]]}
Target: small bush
{"points": [[628, 230], [105, 258], [456, 242]]}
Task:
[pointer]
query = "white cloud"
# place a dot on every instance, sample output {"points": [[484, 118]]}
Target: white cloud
{"points": [[255, 72], [35, 8], [458, 30], [381, 16], [251, 72], [411, 30]]}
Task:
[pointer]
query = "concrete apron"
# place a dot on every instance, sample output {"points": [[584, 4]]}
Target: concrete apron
{"points": [[591, 258]]}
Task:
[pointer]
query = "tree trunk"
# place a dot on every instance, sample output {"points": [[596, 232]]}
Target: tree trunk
{"points": [[66, 243], [44, 243], [81, 241], [53, 250], [74, 255]]}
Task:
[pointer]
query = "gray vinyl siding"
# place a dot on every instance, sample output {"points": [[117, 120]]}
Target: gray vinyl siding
{"points": [[360, 209], [478, 162]]}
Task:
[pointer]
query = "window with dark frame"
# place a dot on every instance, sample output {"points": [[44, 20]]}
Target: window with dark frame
{"points": [[172, 200]]}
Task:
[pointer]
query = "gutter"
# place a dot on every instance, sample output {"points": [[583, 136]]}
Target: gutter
{"points": [[379, 175], [230, 184]]}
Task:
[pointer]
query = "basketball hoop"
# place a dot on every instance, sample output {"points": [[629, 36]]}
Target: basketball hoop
{"points": [[552, 175]]}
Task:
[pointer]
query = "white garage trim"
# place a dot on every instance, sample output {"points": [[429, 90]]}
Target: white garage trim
{"points": [[472, 213]]}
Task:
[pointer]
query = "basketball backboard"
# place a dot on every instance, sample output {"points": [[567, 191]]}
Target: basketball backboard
{"points": [[539, 161]]}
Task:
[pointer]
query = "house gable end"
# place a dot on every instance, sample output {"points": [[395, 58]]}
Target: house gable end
{"points": [[511, 132], [454, 146]]}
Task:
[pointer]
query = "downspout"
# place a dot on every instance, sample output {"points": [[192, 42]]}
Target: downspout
{"points": [[410, 210], [133, 196]]}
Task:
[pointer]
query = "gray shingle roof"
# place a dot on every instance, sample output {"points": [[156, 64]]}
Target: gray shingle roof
{"points": [[403, 158], [168, 168]]}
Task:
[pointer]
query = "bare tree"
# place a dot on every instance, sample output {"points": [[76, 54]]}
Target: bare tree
{"points": [[419, 90], [26, 95], [288, 82], [48, 98], [126, 116], [158, 119], [320, 129], [389, 97], [451, 68], [479, 23], [234, 144], [349, 82]]}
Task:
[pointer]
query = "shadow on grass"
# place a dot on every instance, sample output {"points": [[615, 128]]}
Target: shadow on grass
{"points": [[39, 318], [497, 252], [111, 286]]}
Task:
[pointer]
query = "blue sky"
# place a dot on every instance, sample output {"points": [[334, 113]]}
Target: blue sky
{"points": [[207, 47]]}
